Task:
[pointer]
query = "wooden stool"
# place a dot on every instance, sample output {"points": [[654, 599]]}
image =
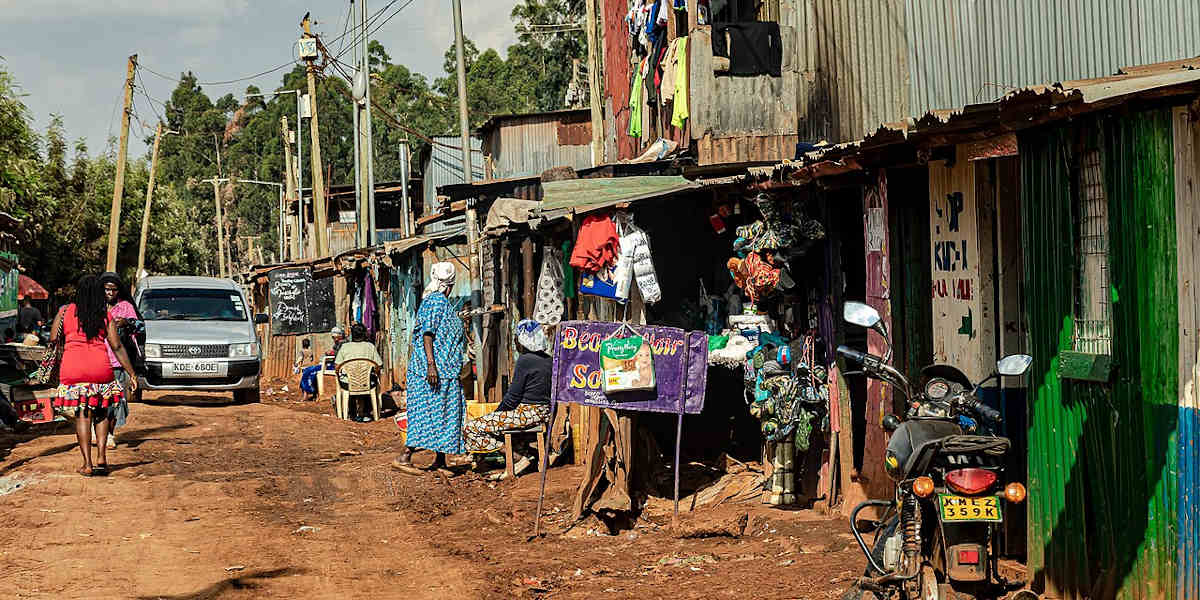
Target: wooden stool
{"points": [[538, 431]]}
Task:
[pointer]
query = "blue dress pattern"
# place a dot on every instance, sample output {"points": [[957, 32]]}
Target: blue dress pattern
{"points": [[435, 415]]}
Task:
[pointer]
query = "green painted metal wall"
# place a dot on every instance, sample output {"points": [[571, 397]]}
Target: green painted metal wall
{"points": [[1102, 455]]}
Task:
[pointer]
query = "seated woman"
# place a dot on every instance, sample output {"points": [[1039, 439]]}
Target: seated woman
{"points": [[526, 402], [358, 348]]}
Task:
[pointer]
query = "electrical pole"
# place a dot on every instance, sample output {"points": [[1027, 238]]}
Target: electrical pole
{"points": [[364, 182], [229, 226], [220, 235], [471, 216], [158, 133], [320, 215], [292, 242], [406, 225], [593, 75], [114, 219]]}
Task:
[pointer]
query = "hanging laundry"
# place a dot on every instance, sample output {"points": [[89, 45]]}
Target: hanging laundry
{"points": [[548, 309], [635, 101], [679, 113], [368, 305], [754, 275], [670, 64], [597, 245]]}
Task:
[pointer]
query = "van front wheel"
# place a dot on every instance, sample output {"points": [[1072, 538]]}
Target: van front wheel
{"points": [[247, 396]]}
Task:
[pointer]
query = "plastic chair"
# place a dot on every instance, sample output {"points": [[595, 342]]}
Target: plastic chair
{"points": [[326, 369], [356, 374]]}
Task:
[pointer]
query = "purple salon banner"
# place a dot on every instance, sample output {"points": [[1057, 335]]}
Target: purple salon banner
{"points": [[680, 368]]}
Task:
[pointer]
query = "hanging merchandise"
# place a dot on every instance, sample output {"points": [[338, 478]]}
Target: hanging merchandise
{"points": [[754, 275], [597, 244], [634, 262], [368, 305], [567, 270], [627, 362], [635, 100], [550, 304], [602, 283]]}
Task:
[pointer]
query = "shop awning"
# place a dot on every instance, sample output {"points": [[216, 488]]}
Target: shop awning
{"points": [[28, 288], [578, 196]]}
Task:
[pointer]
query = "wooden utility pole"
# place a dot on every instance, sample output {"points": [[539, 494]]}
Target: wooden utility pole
{"points": [[291, 245], [229, 226], [158, 133], [114, 219], [472, 217], [593, 75], [216, 183], [320, 215]]}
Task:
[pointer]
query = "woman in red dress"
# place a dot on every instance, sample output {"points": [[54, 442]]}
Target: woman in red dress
{"points": [[87, 388]]}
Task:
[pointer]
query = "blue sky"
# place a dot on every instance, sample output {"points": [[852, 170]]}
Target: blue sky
{"points": [[69, 56]]}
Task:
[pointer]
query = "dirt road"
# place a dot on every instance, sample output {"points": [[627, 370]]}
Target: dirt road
{"points": [[277, 500]]}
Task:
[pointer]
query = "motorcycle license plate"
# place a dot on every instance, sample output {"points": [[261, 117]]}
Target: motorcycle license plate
{"points": [[961, 508]]}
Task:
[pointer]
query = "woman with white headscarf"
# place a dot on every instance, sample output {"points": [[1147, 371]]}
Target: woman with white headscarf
{"points": [[526, 402], [434, 394]]}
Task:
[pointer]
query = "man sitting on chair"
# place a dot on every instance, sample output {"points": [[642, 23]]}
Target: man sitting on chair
{"points": [[526, 401], [358, 347]]}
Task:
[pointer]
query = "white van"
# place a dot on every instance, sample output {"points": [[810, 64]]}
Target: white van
{"points": [[199, 336]]}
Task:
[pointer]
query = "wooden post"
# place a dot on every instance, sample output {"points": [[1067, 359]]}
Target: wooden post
{"points": [[594, 86], [292, 246], [220, 234], [228, 228], [114, 219], [320, 215], [529, 285], [141, 265]]}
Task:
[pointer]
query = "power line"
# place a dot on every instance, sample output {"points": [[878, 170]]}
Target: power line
{"points": [[227, 82], [375, 28], [142, 88]]}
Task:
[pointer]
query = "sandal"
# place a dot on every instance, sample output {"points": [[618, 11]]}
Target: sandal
{"points": [[406, 468], [100, 471], [85, 471]]}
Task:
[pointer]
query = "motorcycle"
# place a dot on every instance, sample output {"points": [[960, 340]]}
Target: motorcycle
{"points": [[939, 538]]}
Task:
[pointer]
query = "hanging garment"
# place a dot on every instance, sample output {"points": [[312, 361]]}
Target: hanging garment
{"points": [[669, 66], [634, 262], [568, 271], [754, 275], [597, 246], [368, 306], [635, 102], [753, 48], [679, 112], [548, 309]]}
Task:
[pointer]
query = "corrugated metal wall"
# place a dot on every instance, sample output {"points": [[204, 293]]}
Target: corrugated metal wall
{"points": [[1187, 232], [853, 64], [969, 51], [529, 145], [1102, 456], [444, 167], [867, 63]]}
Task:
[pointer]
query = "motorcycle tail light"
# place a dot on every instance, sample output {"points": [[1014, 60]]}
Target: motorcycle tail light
{"points": [[968, 557], [1015, 493], [923, 487], [970, 481]]}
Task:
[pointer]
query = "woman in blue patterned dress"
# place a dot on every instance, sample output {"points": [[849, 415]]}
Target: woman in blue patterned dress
{"points": [[435, 396]]}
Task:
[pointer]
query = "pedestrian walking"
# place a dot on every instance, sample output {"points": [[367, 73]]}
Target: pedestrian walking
{"points": [[434, 393], [86, 388], [125, 316]]}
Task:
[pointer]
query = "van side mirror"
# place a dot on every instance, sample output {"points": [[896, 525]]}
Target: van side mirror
{"points": [[261, 319]]}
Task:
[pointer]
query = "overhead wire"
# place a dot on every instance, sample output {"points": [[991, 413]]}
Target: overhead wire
{"points": [[226, 82]]}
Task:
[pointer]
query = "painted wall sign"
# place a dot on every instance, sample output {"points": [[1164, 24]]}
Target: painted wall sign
{"points": [[960, 217], [680, 368]]}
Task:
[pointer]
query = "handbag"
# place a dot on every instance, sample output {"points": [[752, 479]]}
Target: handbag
{"points": [[47, 371]]}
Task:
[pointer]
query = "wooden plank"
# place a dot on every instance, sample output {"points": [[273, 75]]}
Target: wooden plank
{"points": [[1186, 232], [873, 479]]}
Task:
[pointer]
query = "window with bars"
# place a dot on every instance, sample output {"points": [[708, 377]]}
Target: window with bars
{"points": [[1093, 295]]}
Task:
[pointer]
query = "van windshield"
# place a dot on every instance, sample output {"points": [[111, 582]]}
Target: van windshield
{"points": [[184, 304]]}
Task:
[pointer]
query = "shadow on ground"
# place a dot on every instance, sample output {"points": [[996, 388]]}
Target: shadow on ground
{"points": [[245, 581]]}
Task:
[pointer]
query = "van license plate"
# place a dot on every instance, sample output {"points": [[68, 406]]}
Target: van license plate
{"points": [[195, 369], [961, 508]]}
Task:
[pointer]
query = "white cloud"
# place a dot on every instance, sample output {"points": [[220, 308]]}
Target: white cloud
{"points": [[64, 10]]}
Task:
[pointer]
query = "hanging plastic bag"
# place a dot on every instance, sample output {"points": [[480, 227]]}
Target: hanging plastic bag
{"points": [[627, 363]]}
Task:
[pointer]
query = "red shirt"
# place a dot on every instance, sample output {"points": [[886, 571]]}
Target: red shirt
{"points": [[84, 360]]}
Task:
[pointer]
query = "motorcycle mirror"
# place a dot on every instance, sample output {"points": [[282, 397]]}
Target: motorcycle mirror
{"points": [[860, 314], [890, 423], [1014, 364]]}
